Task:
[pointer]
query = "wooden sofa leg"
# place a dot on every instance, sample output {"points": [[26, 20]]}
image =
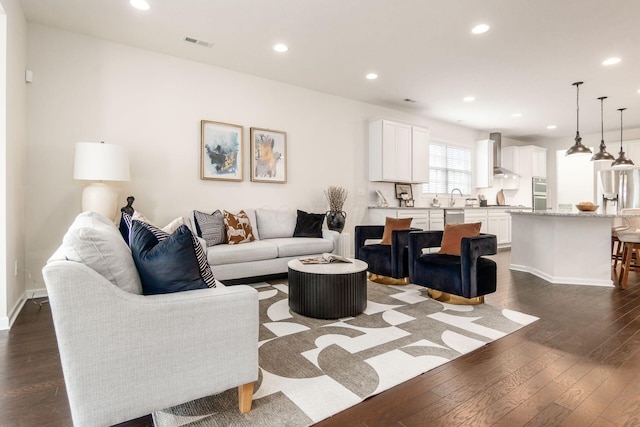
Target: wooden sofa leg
{"points": [[245, 397]]}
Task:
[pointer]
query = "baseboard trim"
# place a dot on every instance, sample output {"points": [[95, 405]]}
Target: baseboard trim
{"points": [[562, 280], [37, 293], [7, 321]]}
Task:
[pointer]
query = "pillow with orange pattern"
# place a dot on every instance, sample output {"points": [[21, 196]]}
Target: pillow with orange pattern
{"points": [[238, 227]]}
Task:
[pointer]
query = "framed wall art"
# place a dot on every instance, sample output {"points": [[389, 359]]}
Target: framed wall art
{"points": [[221, 151], [268, 155], [404, 191]]}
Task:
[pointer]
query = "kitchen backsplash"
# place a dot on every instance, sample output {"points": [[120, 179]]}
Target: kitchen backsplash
{"points": [[512, 197]]}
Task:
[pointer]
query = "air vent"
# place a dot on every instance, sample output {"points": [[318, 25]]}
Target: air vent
{"points": [[198, 42]]}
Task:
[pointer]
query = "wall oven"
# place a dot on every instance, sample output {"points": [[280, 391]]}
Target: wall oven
{"points": [[539, 186]]}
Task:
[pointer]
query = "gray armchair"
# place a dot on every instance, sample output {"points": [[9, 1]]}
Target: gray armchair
{"points": [[470, 275], [126, 355]]}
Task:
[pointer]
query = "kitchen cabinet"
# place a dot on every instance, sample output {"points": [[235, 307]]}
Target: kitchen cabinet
{"points": [[420, 217], [476, 215], [398, 152], [436, 220], [484, 163], [498, 223], [424, 219], [419, 154], [494, 220], [527, 161]]}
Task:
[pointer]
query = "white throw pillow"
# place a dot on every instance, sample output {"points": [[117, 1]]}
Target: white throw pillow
{"points": [[274, 223], [96, 242]]}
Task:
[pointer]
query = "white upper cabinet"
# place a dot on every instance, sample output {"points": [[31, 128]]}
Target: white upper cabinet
{"points": [[398, 152], [527, 161], [484, 163], [419, 154]]}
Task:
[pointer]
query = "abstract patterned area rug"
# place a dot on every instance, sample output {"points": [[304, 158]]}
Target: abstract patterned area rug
{"points": [[311, 369]]}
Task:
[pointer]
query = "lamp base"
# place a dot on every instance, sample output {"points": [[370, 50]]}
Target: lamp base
{"points": [[100, 198]]}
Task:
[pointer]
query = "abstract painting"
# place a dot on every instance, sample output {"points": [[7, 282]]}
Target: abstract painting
{"points": [[268, 156], [221, 151]]}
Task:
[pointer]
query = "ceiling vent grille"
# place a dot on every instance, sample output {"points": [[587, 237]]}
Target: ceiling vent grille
{"points": [[198, 42]]}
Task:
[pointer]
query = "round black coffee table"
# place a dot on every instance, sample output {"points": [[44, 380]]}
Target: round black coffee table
{"points": [[328, 291]]}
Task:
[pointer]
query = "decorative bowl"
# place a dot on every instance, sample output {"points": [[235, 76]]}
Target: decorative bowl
{"points": [[587, 207]]}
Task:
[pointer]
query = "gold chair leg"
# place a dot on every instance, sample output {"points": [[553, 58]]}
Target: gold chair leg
{"points": [[386, 280], [454, 299]]}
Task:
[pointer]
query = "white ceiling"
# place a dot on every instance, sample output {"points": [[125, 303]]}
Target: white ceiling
{"points": [[421, 49]]}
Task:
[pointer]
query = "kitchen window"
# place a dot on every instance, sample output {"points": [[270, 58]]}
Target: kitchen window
{"points": [[449, 168]]}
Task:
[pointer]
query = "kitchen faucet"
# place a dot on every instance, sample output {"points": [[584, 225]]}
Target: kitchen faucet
{"points": [[452, 202]]}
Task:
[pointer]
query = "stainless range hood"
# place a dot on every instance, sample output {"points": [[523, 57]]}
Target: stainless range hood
{"points": [[498, 170]]}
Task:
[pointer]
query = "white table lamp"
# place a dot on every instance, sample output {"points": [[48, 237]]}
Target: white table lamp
{"points": [[100, 162]]}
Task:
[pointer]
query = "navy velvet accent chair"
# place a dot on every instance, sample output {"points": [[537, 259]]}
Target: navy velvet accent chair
{"points": [[470, 275], [390, 261]]}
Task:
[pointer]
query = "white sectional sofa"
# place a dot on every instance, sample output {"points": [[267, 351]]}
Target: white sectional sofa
{"points": [[273, 248]]}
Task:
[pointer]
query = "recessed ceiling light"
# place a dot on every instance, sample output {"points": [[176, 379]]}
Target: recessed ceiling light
{"points": [[469, 98], [552, 127], [479, 29], [140, 4], [280, 48], [611, 61], [372, 76], [516, 115]]}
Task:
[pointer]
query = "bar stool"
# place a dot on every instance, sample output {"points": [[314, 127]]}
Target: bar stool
{"points": [[630, 243], [630, 224], [616, 245]]}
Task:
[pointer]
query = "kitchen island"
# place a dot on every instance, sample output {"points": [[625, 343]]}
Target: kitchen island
{"points": [[567, 248]]}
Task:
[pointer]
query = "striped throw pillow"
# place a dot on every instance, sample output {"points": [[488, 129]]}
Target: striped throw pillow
{"points": [[210, 227]]}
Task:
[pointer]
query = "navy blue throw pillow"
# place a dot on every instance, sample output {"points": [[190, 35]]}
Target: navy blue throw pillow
{"points": [[169, 262], [308, 225]]}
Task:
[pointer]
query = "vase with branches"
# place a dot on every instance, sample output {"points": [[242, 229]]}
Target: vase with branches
{"points": [[336, 217]]}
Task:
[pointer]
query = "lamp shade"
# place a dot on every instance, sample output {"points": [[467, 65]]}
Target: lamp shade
{"points": [[101, 162]]}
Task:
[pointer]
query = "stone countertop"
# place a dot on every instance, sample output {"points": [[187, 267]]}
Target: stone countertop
{"points": [[505, 207], [574, 214]]}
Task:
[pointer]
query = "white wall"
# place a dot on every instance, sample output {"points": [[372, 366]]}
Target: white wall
{"points": [[87, 89], [13, 137]]}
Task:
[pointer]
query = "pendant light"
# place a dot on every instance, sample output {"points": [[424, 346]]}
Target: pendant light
{"points": [[577, 148], [602, 155], [622, 161]]}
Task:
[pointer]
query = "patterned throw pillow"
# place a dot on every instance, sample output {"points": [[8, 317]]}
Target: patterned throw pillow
{"points": [[238, 228], [169, 262], [211, 227], [125, 224]]}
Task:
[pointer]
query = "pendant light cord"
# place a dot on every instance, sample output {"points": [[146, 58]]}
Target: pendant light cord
{"points": [[577, 107], [621, 110], [602, 118]]}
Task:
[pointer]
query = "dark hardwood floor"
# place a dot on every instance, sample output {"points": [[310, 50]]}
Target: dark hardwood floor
{"points": [[579, 365]]}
